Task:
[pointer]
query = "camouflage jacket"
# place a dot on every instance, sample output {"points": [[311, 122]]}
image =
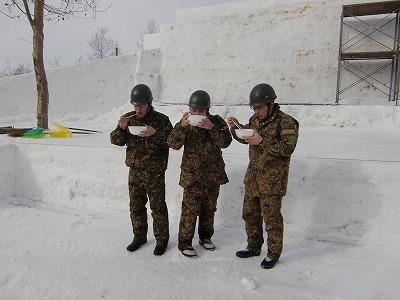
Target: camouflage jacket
{"points": [[145, 153], [268, 169], [202, 156]]}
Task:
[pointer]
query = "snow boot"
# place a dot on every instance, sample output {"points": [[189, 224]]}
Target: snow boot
{"points": [[245, 253], [136, 243], [189, 252], [207, 244], [268, 263], [160, 249]]}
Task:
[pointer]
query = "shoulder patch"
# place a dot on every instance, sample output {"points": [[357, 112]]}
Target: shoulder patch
{"points": [[289, 128], [288, 131]]}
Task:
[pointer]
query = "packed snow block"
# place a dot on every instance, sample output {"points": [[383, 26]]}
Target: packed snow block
{"points": [[337, 200], [227, 49], [147, 70], [95, 87], [173, 192], [88, 177], [310, 116], [7, 170], [351, 201], [347, 116], [18, 98], [27, 175], [151, 41]]}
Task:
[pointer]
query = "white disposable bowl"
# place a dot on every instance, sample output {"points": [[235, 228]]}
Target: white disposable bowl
{"points": [[195, 120], [244, 133], [135, 130]]}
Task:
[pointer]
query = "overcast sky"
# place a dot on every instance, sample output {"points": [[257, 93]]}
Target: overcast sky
{"points": [[67, 40]]}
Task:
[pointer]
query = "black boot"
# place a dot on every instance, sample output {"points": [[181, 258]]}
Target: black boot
{"points": [[247, 253], [160, 249], [136, 243], [268, 263]]}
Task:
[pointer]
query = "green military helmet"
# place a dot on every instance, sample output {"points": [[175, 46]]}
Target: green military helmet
{"points": [[200, 99], [141, 94], [262, 94]]}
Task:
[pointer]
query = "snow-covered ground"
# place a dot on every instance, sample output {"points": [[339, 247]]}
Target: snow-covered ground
{"points": [[50, 252], [64, 221]]}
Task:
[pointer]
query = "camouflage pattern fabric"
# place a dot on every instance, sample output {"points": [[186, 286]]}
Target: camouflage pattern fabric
{"points": [[147, 158], [151, 185], [150, 153], [268, 168], [202, 156], [255, 209], [202, 172], [266, 178], [200, 199]]}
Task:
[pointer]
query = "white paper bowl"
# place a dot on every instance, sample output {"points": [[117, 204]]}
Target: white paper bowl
{"points": [[195, 120], [244, 133], [135, 130]]}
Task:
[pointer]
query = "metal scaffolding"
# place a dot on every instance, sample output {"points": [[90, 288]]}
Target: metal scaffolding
{"points": [[386, 13]]}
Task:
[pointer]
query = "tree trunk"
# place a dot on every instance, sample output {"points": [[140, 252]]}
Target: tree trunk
{"points": [[38, 63]]}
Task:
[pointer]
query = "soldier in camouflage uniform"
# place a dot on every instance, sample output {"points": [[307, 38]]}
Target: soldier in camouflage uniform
{"points": [[147, 158], [202, 170], [273, 142]]}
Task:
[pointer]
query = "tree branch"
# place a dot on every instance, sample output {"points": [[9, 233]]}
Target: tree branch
{"points": [[7, 15], [28, 12], [16, 4]]}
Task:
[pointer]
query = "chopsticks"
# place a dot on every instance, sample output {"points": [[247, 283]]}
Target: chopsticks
{"points": [[237, 125]]}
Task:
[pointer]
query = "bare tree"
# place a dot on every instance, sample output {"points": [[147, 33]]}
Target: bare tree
{"points": [[101, 44], [151, 27], [54, 10], [22, 69], [19, 69]]}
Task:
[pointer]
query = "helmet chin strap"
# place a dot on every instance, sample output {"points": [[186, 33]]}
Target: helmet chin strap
{"points": [[270, 106]]}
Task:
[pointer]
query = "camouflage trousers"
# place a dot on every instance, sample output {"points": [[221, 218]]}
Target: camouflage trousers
{"points": [[199, 199], [151, 185], [266, 208]]}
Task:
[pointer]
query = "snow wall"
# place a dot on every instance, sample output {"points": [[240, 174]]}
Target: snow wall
{"points": [[224, 49], [347, 201], [89, 88], [7, 170], [293, 45]]}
